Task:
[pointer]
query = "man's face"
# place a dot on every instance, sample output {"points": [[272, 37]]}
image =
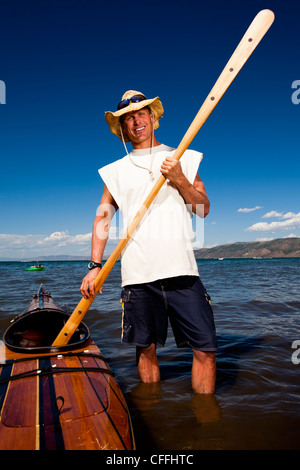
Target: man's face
{"points": [[138, 126]]}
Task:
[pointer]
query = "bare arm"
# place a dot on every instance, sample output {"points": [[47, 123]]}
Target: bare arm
{"points": [[101, 225], [193, 194]]}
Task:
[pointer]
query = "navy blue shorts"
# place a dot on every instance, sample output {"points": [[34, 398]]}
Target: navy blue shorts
{"points": [[183, 300]]}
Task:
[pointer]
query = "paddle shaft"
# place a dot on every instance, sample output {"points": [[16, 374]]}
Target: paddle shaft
{"points": [[250, 40]]}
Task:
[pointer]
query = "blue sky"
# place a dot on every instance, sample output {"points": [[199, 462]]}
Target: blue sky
{"points": [[65, 62]]}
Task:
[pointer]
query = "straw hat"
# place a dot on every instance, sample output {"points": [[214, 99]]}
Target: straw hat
{"points": [[113, 118]]}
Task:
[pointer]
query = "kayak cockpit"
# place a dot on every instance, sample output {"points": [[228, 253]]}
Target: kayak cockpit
{"points": [[35, 330]]}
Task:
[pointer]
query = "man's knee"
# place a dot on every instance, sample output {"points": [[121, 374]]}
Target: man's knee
{"points": [[148, 364], [204, 356], [148, 352]]}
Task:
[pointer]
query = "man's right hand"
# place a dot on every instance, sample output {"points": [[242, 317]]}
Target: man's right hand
{"points": [[87, 287]]}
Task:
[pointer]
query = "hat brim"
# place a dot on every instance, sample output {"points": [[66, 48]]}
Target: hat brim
{"points": [[113, 118]]}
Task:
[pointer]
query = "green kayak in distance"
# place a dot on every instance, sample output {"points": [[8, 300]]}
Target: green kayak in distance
{"points": [[38, 267]]}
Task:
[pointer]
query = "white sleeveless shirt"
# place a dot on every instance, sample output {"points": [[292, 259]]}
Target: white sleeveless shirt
{"points": [[162, 245]]}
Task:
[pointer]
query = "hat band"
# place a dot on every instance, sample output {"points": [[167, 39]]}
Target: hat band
{"points": [[133, 99]]}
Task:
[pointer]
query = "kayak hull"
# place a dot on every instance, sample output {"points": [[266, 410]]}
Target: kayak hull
{"points": [[58, 399], [35, 269]]}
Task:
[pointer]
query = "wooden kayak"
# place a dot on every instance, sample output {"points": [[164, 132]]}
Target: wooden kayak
{"points": [[55, 398]]}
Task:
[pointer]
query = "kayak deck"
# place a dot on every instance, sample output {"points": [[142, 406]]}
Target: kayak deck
{"points": [[63, 401], [59, 400]]}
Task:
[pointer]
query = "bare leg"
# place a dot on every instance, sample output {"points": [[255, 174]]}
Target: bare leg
{"points": [[204, 372], [148, 367]]}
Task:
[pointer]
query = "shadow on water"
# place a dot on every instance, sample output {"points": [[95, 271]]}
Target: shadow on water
{"points": [[168, 415], [231, 351]]}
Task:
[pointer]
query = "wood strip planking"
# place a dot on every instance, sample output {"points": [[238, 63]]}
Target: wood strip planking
{"points": [[90, 415]]}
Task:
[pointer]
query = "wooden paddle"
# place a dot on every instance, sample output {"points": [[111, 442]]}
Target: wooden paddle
{"points": [[250, 40]]}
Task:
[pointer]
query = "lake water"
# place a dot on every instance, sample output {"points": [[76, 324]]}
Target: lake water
{"points": [[256, 307]]}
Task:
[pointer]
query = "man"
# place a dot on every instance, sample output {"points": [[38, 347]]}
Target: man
{"points": [[160, 278]]}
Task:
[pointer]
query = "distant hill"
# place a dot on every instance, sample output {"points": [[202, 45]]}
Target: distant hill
{"points": [[278, 248], [57, 258], [63, 258]]}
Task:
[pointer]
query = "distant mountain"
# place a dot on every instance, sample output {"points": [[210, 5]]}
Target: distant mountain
{"points": [[62, 258], [56, 258], [278, 248], [39, 259]]}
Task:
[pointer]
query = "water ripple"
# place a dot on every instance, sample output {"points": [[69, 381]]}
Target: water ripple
{"points": [[256, 306]]}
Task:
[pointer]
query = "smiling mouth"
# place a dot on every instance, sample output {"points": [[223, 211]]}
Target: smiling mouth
{"points": [[139, 129]]}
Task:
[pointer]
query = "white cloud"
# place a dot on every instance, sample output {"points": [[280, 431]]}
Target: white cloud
{"points": [[280, 215], [56, 236], [290, 221], [289, 215], [246, 210], [34, 246], [264, 239], [63, 239], [270, 214]]}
